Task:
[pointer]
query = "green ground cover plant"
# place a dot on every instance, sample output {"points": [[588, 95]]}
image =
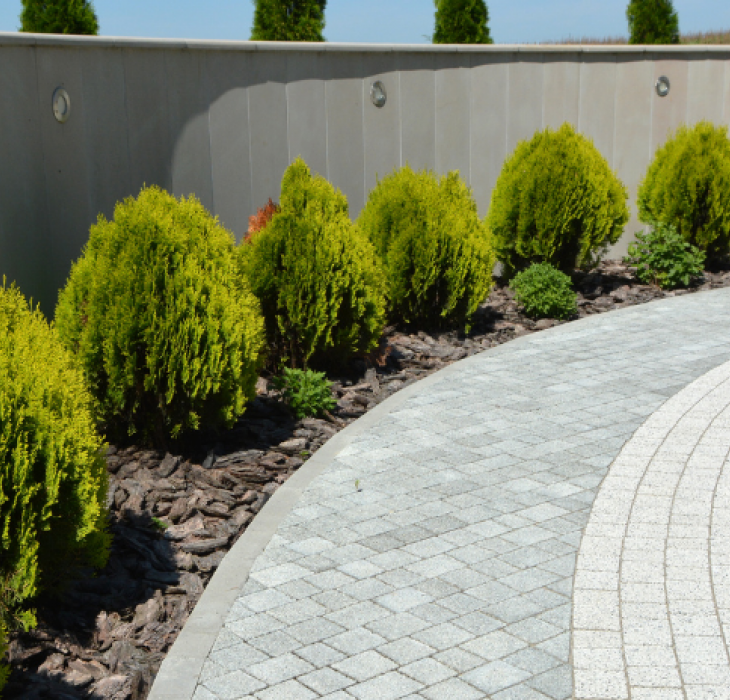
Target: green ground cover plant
{"points": [[436, 253], [168, 333], [662, 257], [687, 185], [308, 393], [545, 292], [556, 200], [53, 479], [316, 277]]}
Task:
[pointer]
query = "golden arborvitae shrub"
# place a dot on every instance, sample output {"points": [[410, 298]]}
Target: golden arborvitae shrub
{"points": [[53, 479], [169, 335], [556, 201], [315, 275], [687, 185], [436, 254]]}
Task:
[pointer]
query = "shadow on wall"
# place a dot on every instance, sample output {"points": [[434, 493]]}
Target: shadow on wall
{"points": [[224, 123]]}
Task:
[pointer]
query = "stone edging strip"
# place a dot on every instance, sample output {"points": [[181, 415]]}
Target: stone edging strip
{"points": [[651, 605]]}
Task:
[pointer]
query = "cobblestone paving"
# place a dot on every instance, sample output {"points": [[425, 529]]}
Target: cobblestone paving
{"points": [[434, 557], [652, 600]]}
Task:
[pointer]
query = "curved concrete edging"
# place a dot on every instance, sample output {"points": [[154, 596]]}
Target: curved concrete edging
{"points": [[179, 672]]}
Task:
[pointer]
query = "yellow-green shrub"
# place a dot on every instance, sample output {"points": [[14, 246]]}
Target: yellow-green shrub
{"points": [[556, 201], [315, 276], [436, 254], [53, 479], [687, 186], [168, 333]]}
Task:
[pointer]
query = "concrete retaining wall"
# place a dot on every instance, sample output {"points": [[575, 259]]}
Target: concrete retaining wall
{"points": [[223, 120]]}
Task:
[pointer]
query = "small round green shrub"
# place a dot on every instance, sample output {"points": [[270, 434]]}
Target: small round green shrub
{"points": [[664, 258], [545, 292], [308, 393], [688, 185], [556, 201], [436, 253], [53, 479], [315, 276], [167, 332], [4, 668]]}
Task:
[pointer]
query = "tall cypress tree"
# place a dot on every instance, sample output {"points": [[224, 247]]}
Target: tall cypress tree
{"points": [[288, 20], [59, 17], [461, 22], [652, 22]]}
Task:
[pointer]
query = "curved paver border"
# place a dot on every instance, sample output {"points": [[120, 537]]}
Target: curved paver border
{"points": [[180, 671], [651, 598]]}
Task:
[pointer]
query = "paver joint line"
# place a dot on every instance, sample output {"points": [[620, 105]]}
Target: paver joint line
{"points": [[547, 519]]}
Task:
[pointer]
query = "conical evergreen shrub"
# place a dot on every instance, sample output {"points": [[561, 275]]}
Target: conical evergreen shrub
{"points": [[59, 17], [316, 277], [687, 185], [288, 20], [53, 479], [436, 253], [556, 201], [652, 22], [168, 334], [461, 22]]}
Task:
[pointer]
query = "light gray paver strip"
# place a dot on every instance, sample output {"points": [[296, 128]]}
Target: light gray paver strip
{"points": [[459, 547], [653, 564]]}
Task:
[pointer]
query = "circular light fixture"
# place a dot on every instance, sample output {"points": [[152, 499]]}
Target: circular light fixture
{"points": [[662, 86], [378, 96], [61, 105]]}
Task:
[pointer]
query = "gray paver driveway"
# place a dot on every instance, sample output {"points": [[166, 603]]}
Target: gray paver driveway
{"points": [[449, 572]]}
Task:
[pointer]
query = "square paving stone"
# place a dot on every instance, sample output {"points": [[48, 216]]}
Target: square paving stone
{"points": [[291, 690], [493, 646], [233, 685], [403, 599], [495, 676], [406, 650], [556, 683], [453, 689], [390, 686], [325, 680], [428, 671], [443, 636], [399, 625], [320, 655], [280, 668], [355, 641]]}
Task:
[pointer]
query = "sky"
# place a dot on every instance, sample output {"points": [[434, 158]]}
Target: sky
{"points": [[382, 21]]}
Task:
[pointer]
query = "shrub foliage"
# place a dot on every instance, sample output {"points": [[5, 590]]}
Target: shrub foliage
{"points": [[168, 333], [461, 22], [664, 258], [652, 22], [288, 20], [436, 253], [545, 292], [315, 276], [687, 185], [307, 392], [557, 201], [59, 17], [53, 479]]}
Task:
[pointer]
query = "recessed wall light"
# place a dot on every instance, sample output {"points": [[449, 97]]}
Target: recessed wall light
{"points": [[662, 86], [61, 105], [378, 95]]}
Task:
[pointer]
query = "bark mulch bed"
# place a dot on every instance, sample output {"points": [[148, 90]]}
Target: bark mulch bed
{"points": [[174, 517]]}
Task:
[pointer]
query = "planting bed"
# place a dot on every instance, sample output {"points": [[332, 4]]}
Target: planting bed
{"points": [[175, 516]]}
